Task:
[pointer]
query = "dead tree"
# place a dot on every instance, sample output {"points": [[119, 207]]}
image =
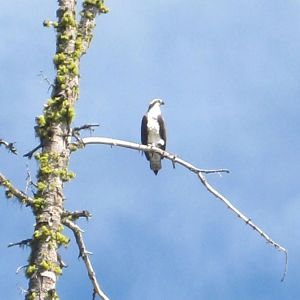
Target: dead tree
{"points": [[53, 129]]}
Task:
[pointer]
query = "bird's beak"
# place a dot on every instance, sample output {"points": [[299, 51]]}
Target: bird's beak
{"points": [[162, 103]]}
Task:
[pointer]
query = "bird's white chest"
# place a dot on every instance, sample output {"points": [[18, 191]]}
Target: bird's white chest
{"points": [[153, 131]]}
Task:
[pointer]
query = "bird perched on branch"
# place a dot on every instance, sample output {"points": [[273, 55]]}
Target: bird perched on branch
{"points": [[153, 133]]}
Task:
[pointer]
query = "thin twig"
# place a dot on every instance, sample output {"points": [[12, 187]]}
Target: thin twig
{"points": [[29, 181], [200, 174], [9, 146], [12, 191], [41, 74], [22, 290], [84, 254]]}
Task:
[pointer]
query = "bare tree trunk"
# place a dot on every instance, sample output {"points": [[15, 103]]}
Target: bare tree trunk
{"points": [[53, 129]]}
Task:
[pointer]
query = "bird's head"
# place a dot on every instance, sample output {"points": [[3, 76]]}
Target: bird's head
{"points": [[155, 102]]}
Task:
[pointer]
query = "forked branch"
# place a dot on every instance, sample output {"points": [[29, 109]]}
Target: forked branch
{"points": [[200, 173]]}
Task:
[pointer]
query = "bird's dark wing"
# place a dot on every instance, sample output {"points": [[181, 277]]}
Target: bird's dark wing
{"points": [[162, 131], [144, 134]]}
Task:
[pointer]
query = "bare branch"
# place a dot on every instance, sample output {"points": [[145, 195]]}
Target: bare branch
{"points": [[12, 191], [22, 244], [214, 171], [84, 254], [85, 127], [172, 157], [76, 130], [245, 219], [200, 174], [30, 153], [9, 146], [77, 214]]}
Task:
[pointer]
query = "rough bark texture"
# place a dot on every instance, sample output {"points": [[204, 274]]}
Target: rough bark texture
{"points": [[53, 129]]}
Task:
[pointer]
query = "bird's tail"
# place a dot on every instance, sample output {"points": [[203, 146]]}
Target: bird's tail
{"points": [[155, 162]]}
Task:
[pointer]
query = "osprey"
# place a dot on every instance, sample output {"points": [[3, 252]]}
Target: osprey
{"points": [[153, 133]]}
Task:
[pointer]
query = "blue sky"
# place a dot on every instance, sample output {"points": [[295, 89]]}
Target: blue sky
{"points": [[229, 73]]}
